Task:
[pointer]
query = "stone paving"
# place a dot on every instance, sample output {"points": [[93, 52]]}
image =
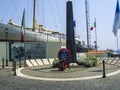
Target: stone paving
{"points": [[10, 82], [74, 72]]}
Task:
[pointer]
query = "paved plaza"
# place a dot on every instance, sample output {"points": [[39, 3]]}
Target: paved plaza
{"points": [[46, 72], [10, 82]]}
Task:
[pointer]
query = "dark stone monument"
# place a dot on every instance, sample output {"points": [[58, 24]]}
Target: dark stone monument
{"points": [[70, 40]]}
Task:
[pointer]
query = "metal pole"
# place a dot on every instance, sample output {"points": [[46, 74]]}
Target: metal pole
{"points": [[6, 33], [24, 53], [19, 62], [24, 46], [95, 34], [95, 37], [2, 62], [34, 12], [14, 67], [60, 38], [104, 74], [24, 50], [117, 42], [47, 37], [87, 25]]}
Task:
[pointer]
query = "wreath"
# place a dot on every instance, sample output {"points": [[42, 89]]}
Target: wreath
{"points": [[67, 52], [63, 65]]}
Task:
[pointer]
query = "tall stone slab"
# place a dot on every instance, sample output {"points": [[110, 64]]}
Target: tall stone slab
{"points": [[70, 40]]}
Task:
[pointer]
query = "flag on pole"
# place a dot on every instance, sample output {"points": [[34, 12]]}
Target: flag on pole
{"points": [[74, 23], [94, 25], [116, 24], [91, 28], [23, 27]]}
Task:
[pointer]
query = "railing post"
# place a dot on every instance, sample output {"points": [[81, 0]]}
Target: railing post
{"points": [[104, 74], [20, 62], [14, 67], [2, 62], [25, 62]]}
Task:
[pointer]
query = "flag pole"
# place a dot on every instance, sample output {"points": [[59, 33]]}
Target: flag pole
{"points": [[23, 36], [24, 51], [95, 37], [117, 41], [24, 44], [96, 34]]}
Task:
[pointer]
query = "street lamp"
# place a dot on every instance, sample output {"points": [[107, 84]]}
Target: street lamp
{"points": [[6, 34]]}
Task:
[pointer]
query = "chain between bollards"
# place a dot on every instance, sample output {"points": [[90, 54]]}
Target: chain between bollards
{"points": [[104, 74]]}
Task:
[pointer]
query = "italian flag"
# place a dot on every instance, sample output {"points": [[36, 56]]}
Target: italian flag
{"points": [[94, 26], [23, 27]]}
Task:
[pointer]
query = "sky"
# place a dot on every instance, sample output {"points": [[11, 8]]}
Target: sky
{"points": [[52, 15]]}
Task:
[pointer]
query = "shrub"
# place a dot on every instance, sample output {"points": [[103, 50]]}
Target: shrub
{"points": [[94, 61], [80, 61], [55, 63], [88, 62]]}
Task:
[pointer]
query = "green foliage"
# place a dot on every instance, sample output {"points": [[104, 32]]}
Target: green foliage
{"points": [[55, 63], [88, 61], [80, 61]]}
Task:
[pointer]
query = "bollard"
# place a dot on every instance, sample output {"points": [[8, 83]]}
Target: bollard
{"points": [[20, 62], [14, 63], [2, 62], [104, 74], [6, 62], [25, 63]]}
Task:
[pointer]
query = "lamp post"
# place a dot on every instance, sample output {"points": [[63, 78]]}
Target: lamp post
{"points": [[6, 34]]}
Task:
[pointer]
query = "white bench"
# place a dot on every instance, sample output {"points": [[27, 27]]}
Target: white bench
{"points": [[39, 61], [29, 64], [33, 62], [45, 61], [51, 60]]}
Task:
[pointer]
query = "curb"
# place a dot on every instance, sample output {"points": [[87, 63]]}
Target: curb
{"points": [[18, 71]]}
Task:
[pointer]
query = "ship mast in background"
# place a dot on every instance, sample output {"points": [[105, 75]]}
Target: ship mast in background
{"points": [[88, 25], [34, 14]]}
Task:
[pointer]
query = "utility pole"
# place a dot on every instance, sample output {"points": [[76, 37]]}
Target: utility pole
{"points": [[6, 34]]}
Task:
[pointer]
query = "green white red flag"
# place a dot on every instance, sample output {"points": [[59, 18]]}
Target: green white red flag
{"points": [[94, 26], [23, 27]]}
